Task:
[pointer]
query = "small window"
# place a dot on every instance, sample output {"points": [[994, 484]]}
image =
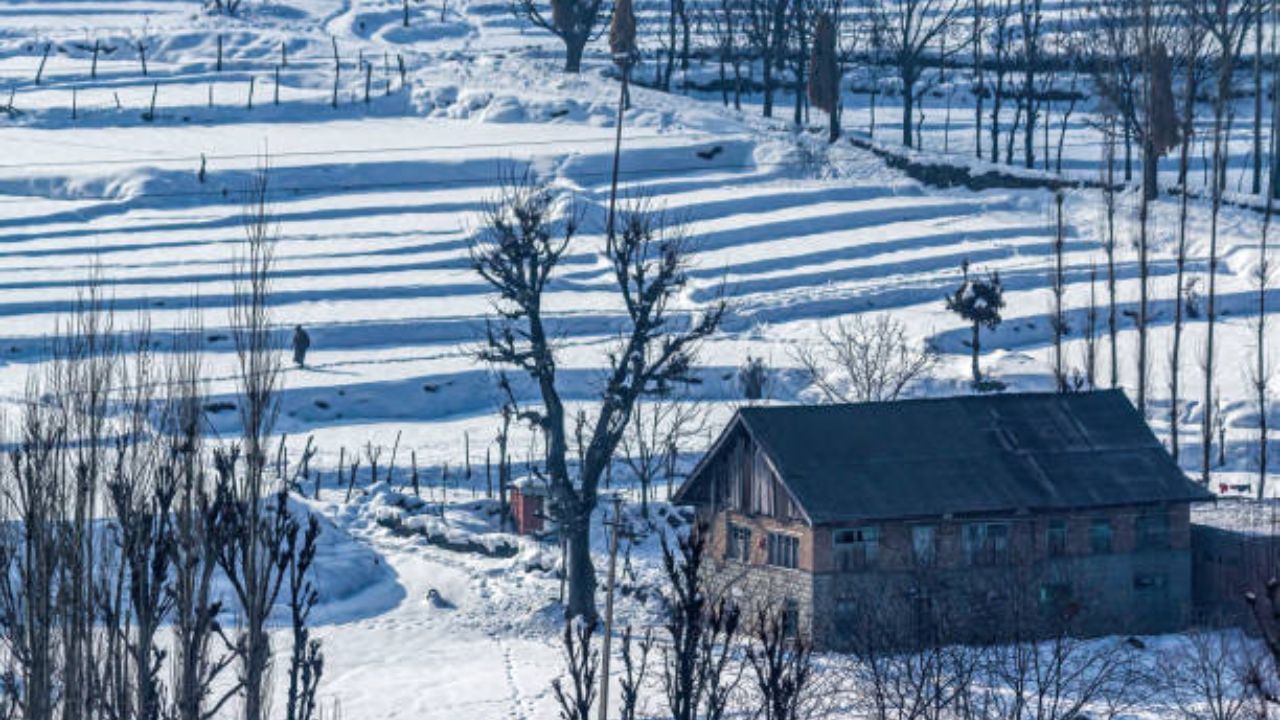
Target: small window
{"points": [[987, 543], [1150, 582], [784, 550], [924, 545], [739, 547], [1100, 536], [791, 618], [856, 549], [1055, 537], [1055, 597], [846, 614], [1152, 531]]}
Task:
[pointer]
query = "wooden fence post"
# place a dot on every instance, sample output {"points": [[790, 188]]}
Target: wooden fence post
{"points": [[337, 70], [43, 59]]}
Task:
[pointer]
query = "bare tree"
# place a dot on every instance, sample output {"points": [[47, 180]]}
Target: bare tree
{"points": [[635, 664], [251, 533], [582, 663], [1190, 47], [140, 493], [911, 28], [864, 360], [697, 674], [1260, 373], [575, 22], [782, 661], [1226, 25], [1206, 677], [1002, 34], [518, 254], [977, 20], [200, 648], [1058, 288], [824, 80], [767, 29], [901, 663], [658, 427], [1030, 26], [1109, 204], [727, 20], [306, 662]]}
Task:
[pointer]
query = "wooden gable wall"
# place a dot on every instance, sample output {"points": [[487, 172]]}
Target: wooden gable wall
{"points": [[743, 480]]}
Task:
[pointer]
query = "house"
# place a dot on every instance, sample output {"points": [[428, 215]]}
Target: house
{"points": [[963, 516]]}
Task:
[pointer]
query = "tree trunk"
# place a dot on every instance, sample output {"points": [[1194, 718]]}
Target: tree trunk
{"points": [[1257, 103], [994, 155], [1029, 136], [671, 46], [580, 570], [1175, 360], [977, 348], [1150, 172], [685, 39], [978, 88], [573, 46], [1109, 190], [724, 79], [908, 106], [766, 78], [1219, 173], [1144, 280]]}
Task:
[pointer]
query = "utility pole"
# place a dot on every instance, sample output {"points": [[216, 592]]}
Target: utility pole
{"points": [[617, 152], [622, 45], [608, 606]]}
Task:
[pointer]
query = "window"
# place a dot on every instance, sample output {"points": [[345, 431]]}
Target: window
{"points": [[1150, 582], [1055, 598], [1055, 537], [924, 545], [847, 615], [739, 544], [1152, 531], [1100, 536], [986, 543], [857, 548], [791, 618], [784, 550]]}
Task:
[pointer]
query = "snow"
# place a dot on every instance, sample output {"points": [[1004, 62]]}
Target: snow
{"points": [[377, 202]]}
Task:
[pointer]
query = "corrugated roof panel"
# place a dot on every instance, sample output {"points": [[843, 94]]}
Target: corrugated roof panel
{"points": [[969, 454]]}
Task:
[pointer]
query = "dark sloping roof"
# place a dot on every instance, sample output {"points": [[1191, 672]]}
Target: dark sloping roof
{"points": [[967, 454]]}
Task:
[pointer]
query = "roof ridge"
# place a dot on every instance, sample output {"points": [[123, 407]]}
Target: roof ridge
{"points": [[932, 399]]}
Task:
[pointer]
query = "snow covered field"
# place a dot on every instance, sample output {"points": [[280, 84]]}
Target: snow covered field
{"points": [[376, 202]]}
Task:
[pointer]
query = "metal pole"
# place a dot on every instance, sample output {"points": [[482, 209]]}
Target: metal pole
{"points": [[608, 608]]}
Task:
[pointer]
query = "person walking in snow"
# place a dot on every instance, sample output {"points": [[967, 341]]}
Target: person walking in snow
{"points": [[301, 343]]}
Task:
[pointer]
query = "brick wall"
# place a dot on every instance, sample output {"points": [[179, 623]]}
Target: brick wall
{"points": [[1128, 590]]}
